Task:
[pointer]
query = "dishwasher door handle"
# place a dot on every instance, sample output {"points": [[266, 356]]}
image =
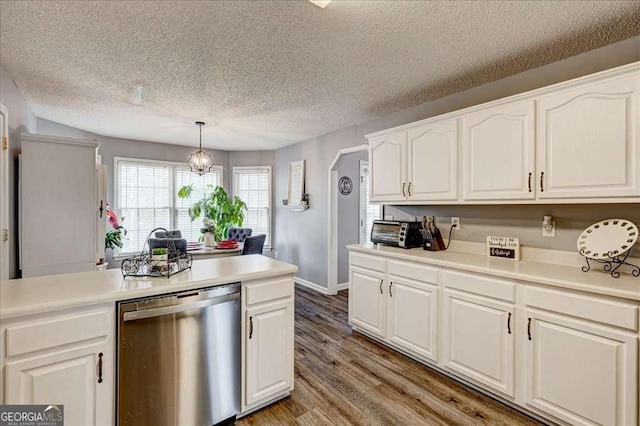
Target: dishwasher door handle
{"points": [[176, 309]]}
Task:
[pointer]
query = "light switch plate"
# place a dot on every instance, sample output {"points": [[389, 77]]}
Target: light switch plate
{"points": [[551, 233]]}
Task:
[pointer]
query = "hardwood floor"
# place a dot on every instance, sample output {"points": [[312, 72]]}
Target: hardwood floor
{"points": [[344, 378]]}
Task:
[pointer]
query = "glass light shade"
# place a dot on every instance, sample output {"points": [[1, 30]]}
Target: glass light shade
{"points": [[200, 162]]}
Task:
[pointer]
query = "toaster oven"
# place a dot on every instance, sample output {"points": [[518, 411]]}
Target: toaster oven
{"points": [[403, 234]]}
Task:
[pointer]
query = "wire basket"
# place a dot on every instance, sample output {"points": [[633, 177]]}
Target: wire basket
{"points": [[144, 265]]}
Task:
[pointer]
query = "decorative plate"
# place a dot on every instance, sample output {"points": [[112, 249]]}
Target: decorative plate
{"points": [[607, 238]]}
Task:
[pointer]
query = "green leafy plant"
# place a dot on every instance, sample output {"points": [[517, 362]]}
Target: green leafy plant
{"points": [[217, 206], [113, 240]]}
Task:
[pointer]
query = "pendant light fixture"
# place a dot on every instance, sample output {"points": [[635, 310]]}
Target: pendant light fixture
{"points": [[200, 162]]}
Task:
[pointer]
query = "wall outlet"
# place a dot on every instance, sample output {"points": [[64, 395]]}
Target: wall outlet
{"points": [[413, 218], [275, 254], [455, 221], [551, 232]]}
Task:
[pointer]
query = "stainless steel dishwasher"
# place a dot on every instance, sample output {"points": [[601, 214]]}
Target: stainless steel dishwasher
{"points": [[179, 358]]}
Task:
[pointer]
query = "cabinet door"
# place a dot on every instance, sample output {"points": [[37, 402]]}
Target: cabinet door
{"points": [[367, 300], [499, 152], [588, 143], [68, 378], [413, 316], [478, 340], [580, 373], [269, 351], [388, 171], [433, 161]]}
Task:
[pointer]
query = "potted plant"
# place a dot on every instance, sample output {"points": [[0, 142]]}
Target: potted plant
{"points": [[224, 212], [208, 230]]}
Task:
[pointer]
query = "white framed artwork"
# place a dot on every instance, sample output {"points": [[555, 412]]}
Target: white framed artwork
{"points": [[296, 183]]}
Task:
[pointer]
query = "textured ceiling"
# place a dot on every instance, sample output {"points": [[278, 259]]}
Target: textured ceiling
{"points": [[265, 74]]}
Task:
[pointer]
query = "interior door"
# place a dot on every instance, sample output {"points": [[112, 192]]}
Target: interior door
{"points": [[433, 161], [499, 152], [387, 159], [589, 141], [581, 373], [4, 194]]}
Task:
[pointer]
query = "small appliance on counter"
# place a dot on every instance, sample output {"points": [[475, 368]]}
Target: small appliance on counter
{"points": [[399, 233]]}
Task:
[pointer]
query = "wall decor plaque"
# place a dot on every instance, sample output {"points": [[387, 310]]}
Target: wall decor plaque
{"points": [[296, 183], [506, 247], [345, 185]]}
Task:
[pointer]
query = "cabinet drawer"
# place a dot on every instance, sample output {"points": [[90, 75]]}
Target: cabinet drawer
{"points": [[482, 285], [414, 271], [619, 314], [369, 262], [57, 331], [263, 291]]}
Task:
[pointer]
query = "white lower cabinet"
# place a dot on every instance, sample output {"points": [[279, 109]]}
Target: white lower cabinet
{"points": [[65, 358], [268, 335], [478, 340], [72, 378], [567, 356], [367, 300], [413, 316], [581, 373]]}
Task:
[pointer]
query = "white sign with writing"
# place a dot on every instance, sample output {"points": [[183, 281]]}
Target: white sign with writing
{"points": [[503, 247]]}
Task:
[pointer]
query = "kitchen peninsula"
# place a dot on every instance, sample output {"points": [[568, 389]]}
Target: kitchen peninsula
{"points": [[58, 334]]}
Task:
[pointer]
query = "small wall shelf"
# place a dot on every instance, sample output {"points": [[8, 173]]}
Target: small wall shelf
{"points": [[297, 209]]}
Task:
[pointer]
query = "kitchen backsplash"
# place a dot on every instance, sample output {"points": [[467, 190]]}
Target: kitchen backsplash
{"points": [[522, 221]]}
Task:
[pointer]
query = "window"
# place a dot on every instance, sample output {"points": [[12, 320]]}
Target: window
{"points": [[368, 212], [253, 186], [147, 197]]}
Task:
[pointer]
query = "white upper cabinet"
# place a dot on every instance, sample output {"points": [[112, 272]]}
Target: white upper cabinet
{"points": [[388, 157], [576, 141], [433, 161], [499, 152], [588, 142]]}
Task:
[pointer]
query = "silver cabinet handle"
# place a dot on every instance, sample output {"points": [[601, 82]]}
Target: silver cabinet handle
{"points": [[529, 328], [381, 287], [541, 181], [168, 310], [403, 193], [250, 327], [409, 189], [509, 323], [390, 284], [529, 182]]}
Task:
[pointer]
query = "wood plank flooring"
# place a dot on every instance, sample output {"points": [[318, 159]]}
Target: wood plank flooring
{"points": [[344, 378]]}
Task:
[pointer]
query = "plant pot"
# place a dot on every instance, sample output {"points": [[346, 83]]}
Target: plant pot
{"points": [[209, 241]]}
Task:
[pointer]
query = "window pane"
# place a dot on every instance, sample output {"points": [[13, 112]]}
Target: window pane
{"points": [[202, 185], [253, 187], [143, 200]]}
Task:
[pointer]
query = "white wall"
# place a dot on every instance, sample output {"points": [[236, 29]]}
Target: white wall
{"points": [[21, 119], [301, 238]]}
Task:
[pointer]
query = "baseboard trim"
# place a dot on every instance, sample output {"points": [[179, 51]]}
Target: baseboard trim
{"points": [[312, 286], [343, 286]]}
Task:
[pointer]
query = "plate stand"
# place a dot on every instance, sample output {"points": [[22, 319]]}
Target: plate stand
{"points": [[612, 264]]}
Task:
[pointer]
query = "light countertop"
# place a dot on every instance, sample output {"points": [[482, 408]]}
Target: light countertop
{"points": [[563, 276], [55, 292]]}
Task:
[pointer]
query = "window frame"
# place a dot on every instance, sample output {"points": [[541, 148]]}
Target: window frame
{"points": [[234, 171], [118, 254]]}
